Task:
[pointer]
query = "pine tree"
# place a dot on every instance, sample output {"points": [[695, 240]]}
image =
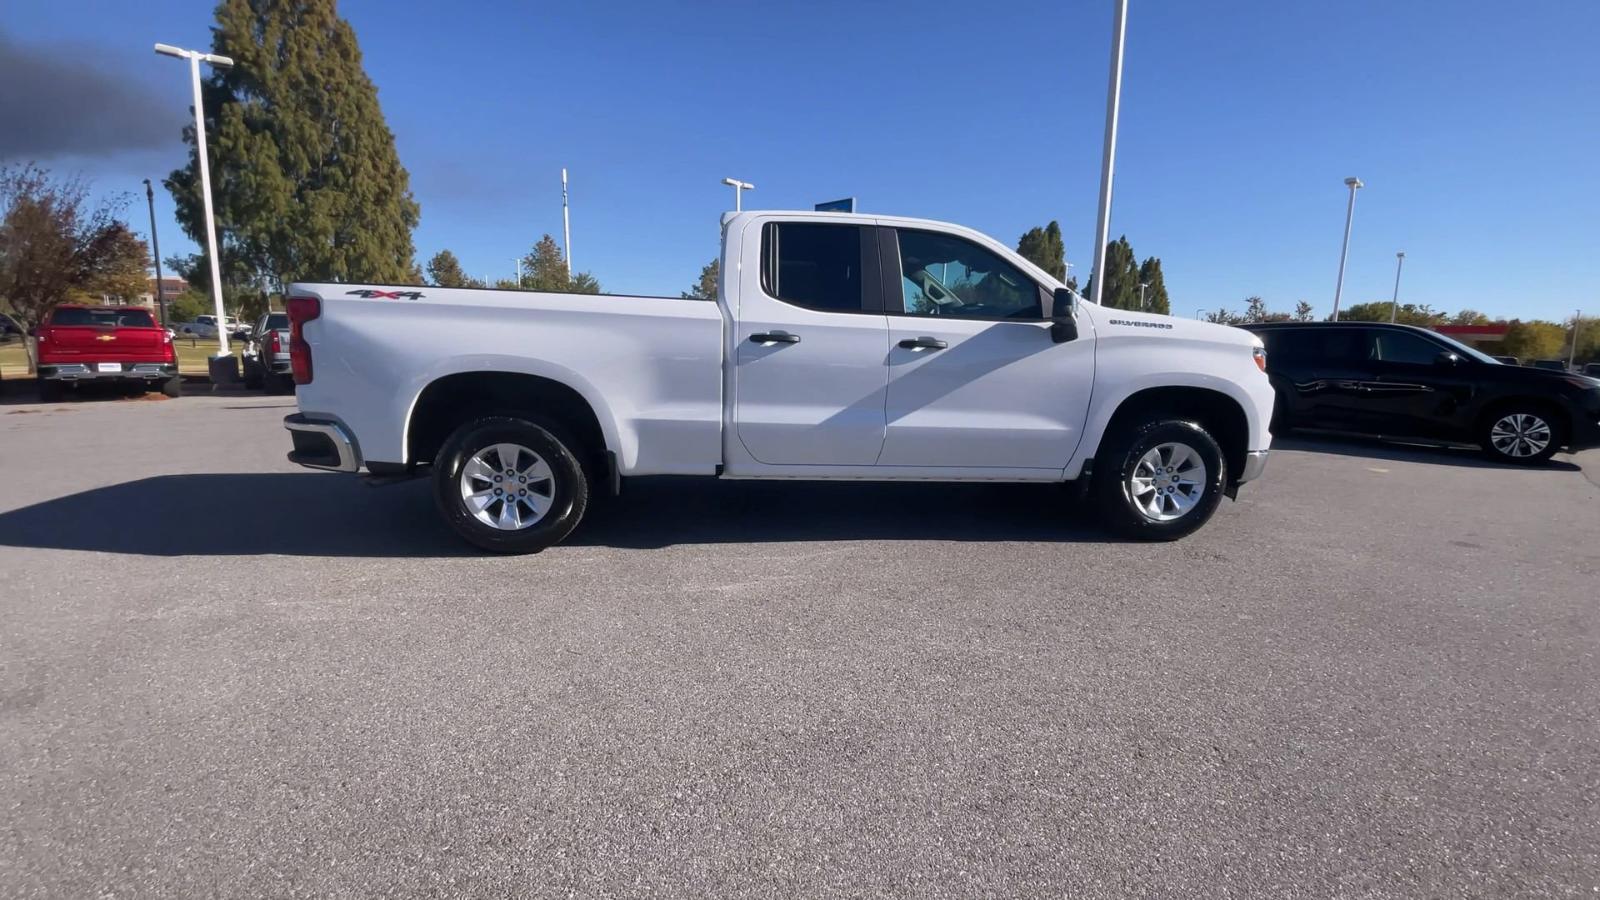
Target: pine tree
{"points": [[1044, 248], [545, 269], [1122, 277], [305, 177], [444, 270], [1155, 294], [706, 287]]}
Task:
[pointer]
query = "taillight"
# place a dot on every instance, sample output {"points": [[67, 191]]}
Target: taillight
{"points": [[301, 310], [274, 343]]}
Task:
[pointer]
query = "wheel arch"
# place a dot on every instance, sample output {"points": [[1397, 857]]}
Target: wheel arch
{"points": [[1223, 416], [1560, 416], [451, 400]]}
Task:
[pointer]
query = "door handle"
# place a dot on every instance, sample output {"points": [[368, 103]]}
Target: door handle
{"points": [[774, 337], [923, 343]]}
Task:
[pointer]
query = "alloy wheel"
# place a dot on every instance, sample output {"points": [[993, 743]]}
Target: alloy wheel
{"points": [[1520, 435], [1168, 482], [507, 486]]}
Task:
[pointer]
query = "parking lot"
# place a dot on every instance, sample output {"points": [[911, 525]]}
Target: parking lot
{"points": [[1377, 674]]}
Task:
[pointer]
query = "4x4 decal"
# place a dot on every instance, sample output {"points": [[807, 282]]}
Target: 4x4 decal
{"points": [[386, 295]]}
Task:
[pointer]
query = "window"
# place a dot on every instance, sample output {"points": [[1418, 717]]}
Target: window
{"points": [[103, 318], [815, 266], [1402, 347], [943, 275], [276, 321]]}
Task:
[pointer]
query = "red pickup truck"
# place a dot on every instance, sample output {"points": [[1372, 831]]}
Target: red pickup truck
{"points": [[105, 343]]}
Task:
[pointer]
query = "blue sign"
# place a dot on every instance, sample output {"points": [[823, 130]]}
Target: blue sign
{"points": [[848, 205]]}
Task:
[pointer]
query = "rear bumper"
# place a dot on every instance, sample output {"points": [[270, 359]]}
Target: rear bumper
{"points": [[152, 371], [322, 443]]}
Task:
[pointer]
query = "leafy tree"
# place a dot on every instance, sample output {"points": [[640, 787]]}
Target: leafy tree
{"points": [[187, 305], [545, 269], [1534, 340], [1122, 277], [1302, 312], [242, 297], [1469, 317], [1421, 315], [1255, 310], [1225, 317], [1155, 296], [706, 287], [304, 171], [1588, 340], [1044, 248], [54, 246]]}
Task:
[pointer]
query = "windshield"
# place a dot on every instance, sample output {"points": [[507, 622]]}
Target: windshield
{"points": [[1466, 351]]}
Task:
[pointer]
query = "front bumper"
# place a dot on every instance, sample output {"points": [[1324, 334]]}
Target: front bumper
{"points": [[1254, 463], [150, 371], [322, 443]]}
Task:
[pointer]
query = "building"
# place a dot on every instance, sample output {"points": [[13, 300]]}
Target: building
{"points": [[171, 287], [1484, 338]]}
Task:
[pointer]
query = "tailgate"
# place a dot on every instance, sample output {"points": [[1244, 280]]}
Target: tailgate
{"points": [[89, 342]]}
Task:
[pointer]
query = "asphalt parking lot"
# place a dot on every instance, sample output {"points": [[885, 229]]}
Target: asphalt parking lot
{"points": [[221, 675]]}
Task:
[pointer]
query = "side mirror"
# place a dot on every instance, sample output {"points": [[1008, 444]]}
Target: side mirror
{"points": [[1446, 358], [1063, 322]]}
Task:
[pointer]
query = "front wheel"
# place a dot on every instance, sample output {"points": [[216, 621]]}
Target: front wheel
{"points": [[1524, 435], [1159, 479], [510, 485]]}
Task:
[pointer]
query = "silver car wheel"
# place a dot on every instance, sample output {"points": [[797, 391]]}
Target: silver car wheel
{"points": [[1520, 435], [507, 487], [1168, 482]]}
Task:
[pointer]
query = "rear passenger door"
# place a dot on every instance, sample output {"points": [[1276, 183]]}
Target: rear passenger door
{"points": [[810, 345], [1327, 371]]}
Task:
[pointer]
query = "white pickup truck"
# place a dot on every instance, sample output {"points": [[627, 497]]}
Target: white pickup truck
{"points": [[840, 346]]}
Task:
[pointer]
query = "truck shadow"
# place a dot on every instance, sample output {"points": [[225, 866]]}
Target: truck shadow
{"points": [[315, 514]]}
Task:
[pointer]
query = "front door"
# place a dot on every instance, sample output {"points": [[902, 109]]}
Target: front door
{"points": [[809, 350], [1413, 391], [974, 379]]}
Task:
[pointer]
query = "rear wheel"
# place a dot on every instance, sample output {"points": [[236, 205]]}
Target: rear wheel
{"points": [[510, 485], [253, 374], [173, 386], [1159, 478], [1521, 434]]}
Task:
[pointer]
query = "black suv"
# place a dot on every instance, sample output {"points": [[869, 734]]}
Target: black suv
{"points": [[1399, 381]]}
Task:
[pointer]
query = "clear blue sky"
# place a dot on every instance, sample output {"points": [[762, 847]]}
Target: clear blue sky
{"points": [[1475, 125]]}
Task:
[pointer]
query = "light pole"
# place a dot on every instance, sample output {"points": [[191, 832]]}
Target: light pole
{"points": [[1142, 286], [195, 57], [517, 262], [1108, 160], [1067, 276], [1394, 305], [566, 224], [155, 250], [1355, 185], [1577, 323], [738, 188]]}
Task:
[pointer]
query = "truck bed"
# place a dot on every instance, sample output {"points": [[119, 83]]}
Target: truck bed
{"points": [[375, 348]]}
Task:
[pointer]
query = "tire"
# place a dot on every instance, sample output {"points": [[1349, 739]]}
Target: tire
{"points": [[281, 384], [557, 484], [172, 387], [253, 375], [50, 391], [1123, 465], [1522, 434]]}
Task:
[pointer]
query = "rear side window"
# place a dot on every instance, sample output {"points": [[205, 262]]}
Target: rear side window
{"points": [[103, 318], [815, 266], [277, 321], [1400, 347]]}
